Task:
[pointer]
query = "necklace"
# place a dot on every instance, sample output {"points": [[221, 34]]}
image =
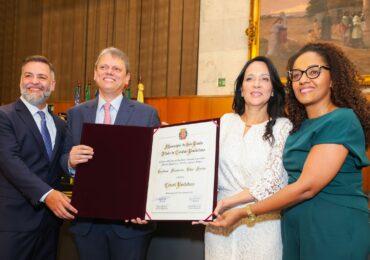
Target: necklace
{"points": [[250, 125]]}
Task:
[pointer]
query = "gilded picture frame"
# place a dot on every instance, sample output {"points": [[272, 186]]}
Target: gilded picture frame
{"points": [[260, 28]]}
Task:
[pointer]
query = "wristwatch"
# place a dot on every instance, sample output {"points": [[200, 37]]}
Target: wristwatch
{"points": [[250, 215]]}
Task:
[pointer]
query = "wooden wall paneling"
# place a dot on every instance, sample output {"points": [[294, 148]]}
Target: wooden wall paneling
{"points": [[7, 50], [146, 45], [121, 26], [160, 105], [190, 43], [174, 47], [21, 37], [100, 31], [134, 44], [28, 32], [121, 36], [127, 33], [77, 63], [72, 33], [160, 49], [56, 43], [200, 108], [62, 107], [104, 24], [178, 110], [221, 105], [52, 43], [91, 49], [64, 43], [207, 107], [76, 49]]}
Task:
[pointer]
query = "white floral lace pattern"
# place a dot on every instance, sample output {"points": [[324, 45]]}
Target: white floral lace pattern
{"points": [[274, 177], [249, 162]]}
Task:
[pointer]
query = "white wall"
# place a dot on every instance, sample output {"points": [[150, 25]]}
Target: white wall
{"points": [[223, 45]]}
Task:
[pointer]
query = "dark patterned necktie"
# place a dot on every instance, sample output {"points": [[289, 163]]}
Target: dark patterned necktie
{"points": [[45, 134]]}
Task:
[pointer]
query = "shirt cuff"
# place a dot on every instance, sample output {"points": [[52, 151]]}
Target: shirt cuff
{"points": [[45, 195], [71, 171]]}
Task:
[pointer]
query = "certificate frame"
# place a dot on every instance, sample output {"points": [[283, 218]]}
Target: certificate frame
{"points": [[183, 176], [118, 190]]}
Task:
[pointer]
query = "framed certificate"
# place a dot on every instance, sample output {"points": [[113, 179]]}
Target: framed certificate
{"points": [[166, 173]]}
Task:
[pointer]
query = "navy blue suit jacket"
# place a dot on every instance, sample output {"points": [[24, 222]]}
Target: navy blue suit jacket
{"points": [[26, 173], [130, 113]]}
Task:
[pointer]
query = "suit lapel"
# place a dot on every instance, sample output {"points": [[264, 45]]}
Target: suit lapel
{"points": [[59, 125], [30, 123], [90, 111], [125, 112]]}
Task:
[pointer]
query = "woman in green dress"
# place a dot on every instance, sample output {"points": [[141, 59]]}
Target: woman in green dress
{"points": [[325, 212]]}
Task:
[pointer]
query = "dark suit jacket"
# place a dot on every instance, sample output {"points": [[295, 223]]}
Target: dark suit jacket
{"points": [[130, 113], [26, 173]]}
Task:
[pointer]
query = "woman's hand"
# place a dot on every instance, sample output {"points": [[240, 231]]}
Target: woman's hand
{"points": [[228, 218], [221, 206]]}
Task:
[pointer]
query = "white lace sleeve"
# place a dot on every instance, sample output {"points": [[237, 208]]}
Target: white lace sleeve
{"points": [[274, 177]]}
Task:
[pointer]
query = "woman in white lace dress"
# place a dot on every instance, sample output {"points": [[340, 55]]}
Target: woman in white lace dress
{"points": [[250, 164]]}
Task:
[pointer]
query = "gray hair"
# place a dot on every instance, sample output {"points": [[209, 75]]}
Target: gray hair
{"points": [[115, 52]]}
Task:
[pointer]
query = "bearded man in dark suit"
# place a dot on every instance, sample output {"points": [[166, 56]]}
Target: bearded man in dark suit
{"points": [[31, 143]]}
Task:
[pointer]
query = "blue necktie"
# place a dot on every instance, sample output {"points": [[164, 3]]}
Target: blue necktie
{"points": [[45, 134]]}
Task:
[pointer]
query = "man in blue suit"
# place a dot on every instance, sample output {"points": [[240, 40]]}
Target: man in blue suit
{"points": [[102, 239], [31, 140]]}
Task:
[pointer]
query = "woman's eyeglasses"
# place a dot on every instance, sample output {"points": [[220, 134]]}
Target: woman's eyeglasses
{"points": [[312, 72]]}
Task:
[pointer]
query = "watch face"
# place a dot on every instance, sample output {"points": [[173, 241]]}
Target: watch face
{"points": [[252, 218]]}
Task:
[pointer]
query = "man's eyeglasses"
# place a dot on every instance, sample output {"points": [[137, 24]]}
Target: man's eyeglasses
{"points": [[312, 72]]}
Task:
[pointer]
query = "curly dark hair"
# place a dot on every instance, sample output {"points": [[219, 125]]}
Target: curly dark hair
{"points": [[276, 103], [345, 92]]}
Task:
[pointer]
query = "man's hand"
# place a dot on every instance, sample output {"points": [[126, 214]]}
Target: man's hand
{"points": [[60, 205], [139, 221], [80, 154]]}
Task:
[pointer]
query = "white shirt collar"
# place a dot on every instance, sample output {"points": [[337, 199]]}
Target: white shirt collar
{"points": [[115, 103], [32, 108]]}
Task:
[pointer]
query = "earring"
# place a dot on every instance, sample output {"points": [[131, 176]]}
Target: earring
{"points": [[272, 93]]}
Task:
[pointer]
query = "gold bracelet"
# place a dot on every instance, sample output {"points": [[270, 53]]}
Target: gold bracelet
{"points": [[250, 215]]}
